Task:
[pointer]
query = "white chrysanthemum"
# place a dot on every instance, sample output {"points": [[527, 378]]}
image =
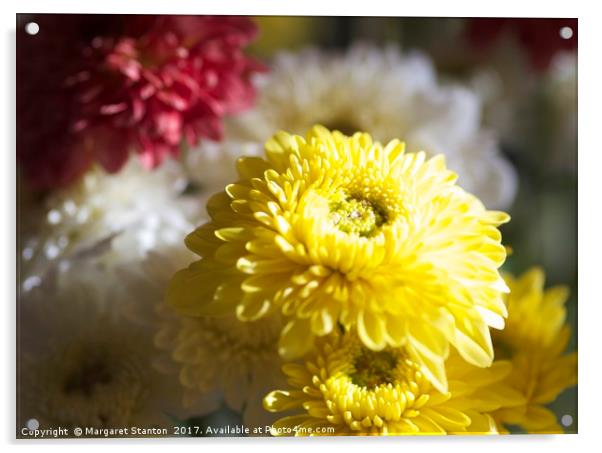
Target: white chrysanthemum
{"points": [[81, 364], [107, 219], [215, 360], [385, 93]]}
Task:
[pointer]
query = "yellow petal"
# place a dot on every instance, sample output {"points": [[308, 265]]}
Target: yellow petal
{"points": [[371, 330], [473, 342], [189, 290], [280, 400], [252, 307], [321, 322], [433, 368], [295, 339]]}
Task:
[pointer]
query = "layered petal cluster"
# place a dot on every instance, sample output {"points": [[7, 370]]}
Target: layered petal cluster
{"points": [[149, 86], [106, 220], [214, 360], [346, 389], [535, 341], [333, 230], [221, 360], [389, 94]]}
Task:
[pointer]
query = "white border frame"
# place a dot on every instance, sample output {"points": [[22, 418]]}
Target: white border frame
{"points": [[590, 250]]}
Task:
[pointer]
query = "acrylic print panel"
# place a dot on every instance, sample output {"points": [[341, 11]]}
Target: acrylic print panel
{"points": [[289, 226]]}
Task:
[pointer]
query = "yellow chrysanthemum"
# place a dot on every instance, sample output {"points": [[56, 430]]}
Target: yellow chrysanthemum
{"points": [[535, 340], [332, 229], [346, 388]]}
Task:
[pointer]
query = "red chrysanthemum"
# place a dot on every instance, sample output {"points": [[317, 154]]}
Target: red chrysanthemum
{"points": [[541, 38], [144, 84]]}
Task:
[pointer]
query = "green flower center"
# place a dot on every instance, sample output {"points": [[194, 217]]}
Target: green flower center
{"points": [[373, 368], [356, 215]]}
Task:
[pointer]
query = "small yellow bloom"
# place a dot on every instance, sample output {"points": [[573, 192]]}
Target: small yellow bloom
{"points": [[331, 229], [346, 388], [535, 340]]}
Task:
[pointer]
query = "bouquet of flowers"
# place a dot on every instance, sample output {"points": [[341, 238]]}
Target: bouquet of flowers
{"points": [[307, 243]]}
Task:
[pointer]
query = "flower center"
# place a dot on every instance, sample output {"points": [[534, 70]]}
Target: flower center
{"points": [[373, 368], [343, 125], [85, 379], [356, 215]]}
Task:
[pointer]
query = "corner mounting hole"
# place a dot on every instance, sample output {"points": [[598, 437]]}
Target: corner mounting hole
{"points": [[32, 28], [566, 420], [566, 32], [32, 424]]}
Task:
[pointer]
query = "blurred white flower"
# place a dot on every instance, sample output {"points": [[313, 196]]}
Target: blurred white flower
{"points": [[383, 92], [106, 219], [81, 364], [214, 360], [560, 87], [212, 166], [504, 82], [531, 111]]}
